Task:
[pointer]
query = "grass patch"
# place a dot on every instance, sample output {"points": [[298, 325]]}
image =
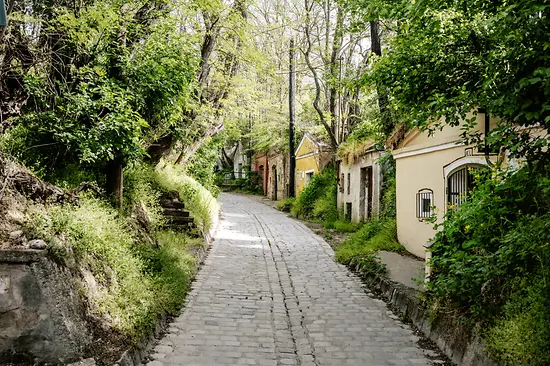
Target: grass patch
{"points": [[145, 184], [342, 226], [373, 236], [133, 283]]}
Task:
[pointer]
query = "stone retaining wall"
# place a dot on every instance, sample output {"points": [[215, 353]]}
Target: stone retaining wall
{"points": [[41, 313], [456, 339]]}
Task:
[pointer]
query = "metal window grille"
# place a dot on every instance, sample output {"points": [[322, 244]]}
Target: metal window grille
{"points": [[459, 184], [342, 182], [349, 183], [424, 203]]}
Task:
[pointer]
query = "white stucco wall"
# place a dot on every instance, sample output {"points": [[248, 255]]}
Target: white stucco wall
{"points": [[354, 197]]}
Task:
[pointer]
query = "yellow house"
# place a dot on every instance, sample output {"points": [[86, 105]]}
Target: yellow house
{"points": [[311, 156], [432, 173]]}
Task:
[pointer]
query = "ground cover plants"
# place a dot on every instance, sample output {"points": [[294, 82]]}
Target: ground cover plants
{"points": [[491, 264], [131, 268]]}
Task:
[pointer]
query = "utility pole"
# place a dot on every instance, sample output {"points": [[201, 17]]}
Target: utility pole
{"points": [[3, 16], [291, 112]]}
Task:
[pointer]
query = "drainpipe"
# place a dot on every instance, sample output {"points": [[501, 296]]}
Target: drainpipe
{"points": [[487, 128]]}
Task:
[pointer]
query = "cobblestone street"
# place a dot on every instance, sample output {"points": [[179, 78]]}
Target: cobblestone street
{"points": [[270, 293]]}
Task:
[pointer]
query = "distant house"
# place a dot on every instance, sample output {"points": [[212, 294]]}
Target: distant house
{"points": [[360, 184], [312, 155], [240, 161], [272, 170], [234, 158], [433, 174], [279, 170], [259, 165]]}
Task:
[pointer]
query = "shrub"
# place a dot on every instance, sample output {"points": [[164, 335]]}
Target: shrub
{"points": [[490, 257], [373, 236], [318, 199]]}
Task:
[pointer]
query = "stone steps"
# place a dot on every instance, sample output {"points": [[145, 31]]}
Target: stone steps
{"points": [[176, 216]]}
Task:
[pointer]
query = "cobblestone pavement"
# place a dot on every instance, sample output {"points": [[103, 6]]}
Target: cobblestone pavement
{"points": [[270, 293]]}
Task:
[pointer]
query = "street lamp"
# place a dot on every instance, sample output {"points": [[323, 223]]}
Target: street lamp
{"points": [[3, 17]]}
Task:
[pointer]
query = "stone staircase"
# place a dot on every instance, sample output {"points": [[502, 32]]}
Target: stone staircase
{"points": [[176, 216]]}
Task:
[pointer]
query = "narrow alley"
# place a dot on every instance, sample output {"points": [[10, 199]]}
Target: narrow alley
{"points": [[270, 293]]}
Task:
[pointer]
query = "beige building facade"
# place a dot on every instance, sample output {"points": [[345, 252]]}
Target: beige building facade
{"points": [[360, 186], [433, 173], [277, 187]]}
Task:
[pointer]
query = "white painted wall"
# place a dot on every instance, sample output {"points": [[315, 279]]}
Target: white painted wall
{"points": [[355, 181]]}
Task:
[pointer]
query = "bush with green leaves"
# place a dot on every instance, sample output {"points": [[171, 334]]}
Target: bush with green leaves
{"points": [[491, 262], [318, 199]]}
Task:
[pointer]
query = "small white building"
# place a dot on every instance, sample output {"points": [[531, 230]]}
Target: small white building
{"points": [[360, 185]]}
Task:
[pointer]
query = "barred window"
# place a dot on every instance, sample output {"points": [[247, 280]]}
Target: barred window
{"points": [[424, 203], [342, 182], [349, 183], [459, 184]]}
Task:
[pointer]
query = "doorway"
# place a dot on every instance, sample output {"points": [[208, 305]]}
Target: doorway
{"points": [[274, 180], [365, 193]]}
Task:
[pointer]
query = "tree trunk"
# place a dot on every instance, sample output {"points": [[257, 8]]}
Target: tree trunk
{"points": [[186, 154], [334, 72], [311, 67]]}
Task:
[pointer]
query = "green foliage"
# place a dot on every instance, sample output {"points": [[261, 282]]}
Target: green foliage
{"points": [[389, 195], [133, 283], [142, 189], [491, 258], [449, 58], [286, 204], [202, 164], [520, 336], [101, 96], [342, 226], [318, 199], [373, 236]]}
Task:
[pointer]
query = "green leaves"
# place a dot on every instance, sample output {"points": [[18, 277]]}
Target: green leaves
{"points": [[449, 58], [114, 81]]}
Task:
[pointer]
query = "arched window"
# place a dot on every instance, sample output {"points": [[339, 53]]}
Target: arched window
{"points": [[459, 183]]}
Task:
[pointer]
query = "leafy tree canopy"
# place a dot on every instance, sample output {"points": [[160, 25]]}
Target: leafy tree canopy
{"points": [[448, 58]]}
